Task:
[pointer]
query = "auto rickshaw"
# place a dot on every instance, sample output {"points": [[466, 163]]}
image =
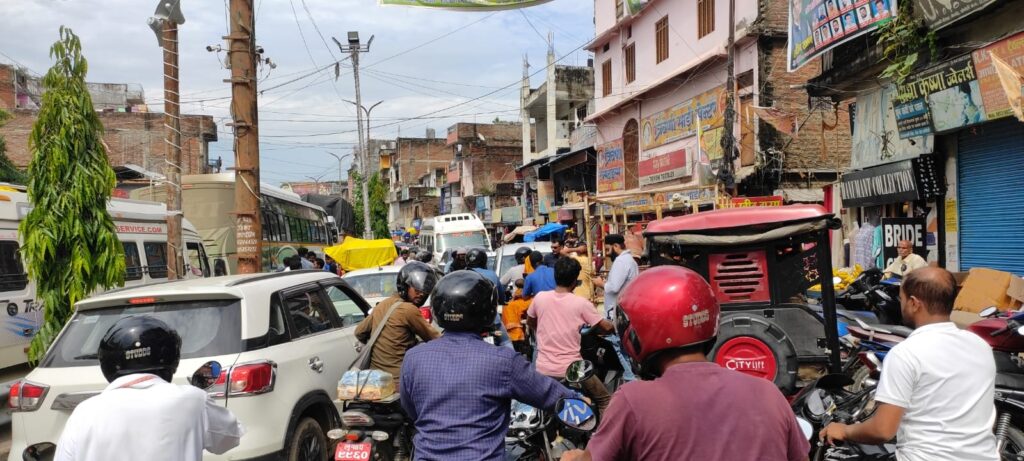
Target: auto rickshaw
{"points": [[759, 262]]}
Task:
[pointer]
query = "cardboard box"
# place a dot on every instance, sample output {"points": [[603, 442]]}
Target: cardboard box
{"points": [[984, 288]]}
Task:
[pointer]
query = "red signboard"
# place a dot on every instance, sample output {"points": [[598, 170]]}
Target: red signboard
{"points": [[664, 167], [744, 202]]}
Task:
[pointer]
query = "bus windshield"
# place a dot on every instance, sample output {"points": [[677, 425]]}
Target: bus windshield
{"points": [[463, 239]]}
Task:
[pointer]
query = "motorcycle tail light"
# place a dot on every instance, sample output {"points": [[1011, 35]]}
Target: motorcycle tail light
{"points": [[425, 311], [248, 379], [355, 418], [26, 396]]}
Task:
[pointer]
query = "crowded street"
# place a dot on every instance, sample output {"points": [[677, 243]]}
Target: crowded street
{"points": [[512, 230]]}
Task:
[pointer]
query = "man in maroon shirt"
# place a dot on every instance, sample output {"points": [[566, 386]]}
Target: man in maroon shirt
{"points": [[692, 409]]}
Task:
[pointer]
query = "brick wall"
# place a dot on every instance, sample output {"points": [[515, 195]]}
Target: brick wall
{"points": [[416, 157], [815, 147], [7, 99], [136, 138], [493, 166]]}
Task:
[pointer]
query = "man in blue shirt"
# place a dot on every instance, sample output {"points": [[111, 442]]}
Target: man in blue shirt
{"points": [[458, 389], [543, 276], [476, 261]]}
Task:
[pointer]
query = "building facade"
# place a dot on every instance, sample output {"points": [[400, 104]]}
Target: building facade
{"points": [[416, 169], [481, 177]]}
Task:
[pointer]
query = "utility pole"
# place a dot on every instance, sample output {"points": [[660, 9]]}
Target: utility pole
{"points": [[164, 23], [242, 55], [729, 117], [354, 47]]}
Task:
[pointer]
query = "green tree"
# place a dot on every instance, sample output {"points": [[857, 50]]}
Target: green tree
{"points": [[8, 172], [70, 243], [378, 206]]}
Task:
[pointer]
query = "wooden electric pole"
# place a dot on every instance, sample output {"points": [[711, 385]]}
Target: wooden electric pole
{"points": [[242, 55], [172, 170], [729, 117]]}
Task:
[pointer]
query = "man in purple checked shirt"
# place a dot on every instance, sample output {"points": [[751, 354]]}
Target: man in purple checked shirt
{"points": [[458, 389]]}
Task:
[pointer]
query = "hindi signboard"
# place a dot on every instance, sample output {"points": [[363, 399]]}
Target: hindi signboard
{"points": [[664, 167], [746, 202], [948, 94], [467, 5], [1010, 50], [815, 26], [680, 121], [611, 166], [941, 13]]}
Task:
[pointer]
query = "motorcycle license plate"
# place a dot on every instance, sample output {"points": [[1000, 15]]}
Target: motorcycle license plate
{"points": [[352, 451]]}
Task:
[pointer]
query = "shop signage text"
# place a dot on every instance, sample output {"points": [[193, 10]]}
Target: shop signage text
{"points": [[890, 183], [745, 202], [896, 229], [680, 121], [611, 167], [1011, 51], [664, 167]]}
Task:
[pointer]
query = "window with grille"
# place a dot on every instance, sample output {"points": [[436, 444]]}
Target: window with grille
{"points": [[661, 39], [705, 17], [606, 78], [630, 54]]}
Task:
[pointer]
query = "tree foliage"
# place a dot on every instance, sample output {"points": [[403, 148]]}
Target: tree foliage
{"points": [[8, 172], [378, 206], [70, 243], [903, 40]]}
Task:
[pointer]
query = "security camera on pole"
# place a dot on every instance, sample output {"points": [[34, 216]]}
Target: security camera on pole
{"points": [[353, 47]]}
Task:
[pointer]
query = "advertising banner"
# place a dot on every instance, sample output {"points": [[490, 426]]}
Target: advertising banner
{"points": [[1011, 51], [949, 91], [664, 167], [611, 167], [874, 132], [746, 202], [815, 26], [468, 5], [896, 229], [680, 121], [941, 13], [890, 183]]}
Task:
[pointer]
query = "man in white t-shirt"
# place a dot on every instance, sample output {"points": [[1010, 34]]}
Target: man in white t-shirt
{"points": [[557, 316], [936, 390], [906, 261]]}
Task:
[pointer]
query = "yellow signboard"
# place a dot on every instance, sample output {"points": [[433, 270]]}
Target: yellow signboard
{"points": [[680, 121]]}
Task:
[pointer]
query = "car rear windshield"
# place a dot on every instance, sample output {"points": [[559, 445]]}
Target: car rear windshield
{"points": [[207, 328], [374, 285]]}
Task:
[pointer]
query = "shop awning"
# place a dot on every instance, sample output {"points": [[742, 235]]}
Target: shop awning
{"points": [[534, 162], [571, 159]]}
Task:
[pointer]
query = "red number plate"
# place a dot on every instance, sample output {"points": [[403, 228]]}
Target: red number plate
{"points": [[352, 451]]}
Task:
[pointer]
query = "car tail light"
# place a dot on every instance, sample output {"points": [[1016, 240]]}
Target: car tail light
{"points": [[425, 311], [26, 396], [355, 418], [248, 379]]}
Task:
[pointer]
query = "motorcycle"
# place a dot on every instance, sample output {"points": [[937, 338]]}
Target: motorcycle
{"points": [[1005, 334], [827, 400], [533, 433], [870, 293], [600, 353], [373, 429]]}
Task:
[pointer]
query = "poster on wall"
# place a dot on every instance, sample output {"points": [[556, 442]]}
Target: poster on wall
{"points": [[876, 137], [1011, 51], [815, 26], [941, 13], [896, 229], [680, 121], [467, 5], [664, 167], [611, 175], [947, 94]]}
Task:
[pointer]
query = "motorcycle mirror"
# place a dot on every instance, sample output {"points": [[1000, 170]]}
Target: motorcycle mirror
{"points": [[806, 427], [579, 371], [1020, 331], [815, 404], [576, 414], [335, 434], [989, 311], [206, 375]]}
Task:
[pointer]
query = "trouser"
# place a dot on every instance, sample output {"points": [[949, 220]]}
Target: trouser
{"points": [[523, 347], [597, 392], [627, 367]]}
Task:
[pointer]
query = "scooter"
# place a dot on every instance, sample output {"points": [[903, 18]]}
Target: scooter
{"points": [[600, 352], [373, 429], [1005, 334], [827, 400], [533, 433]]}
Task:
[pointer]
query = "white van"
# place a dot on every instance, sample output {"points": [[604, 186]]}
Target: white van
{"points": [[142, 230], [453, 231]]}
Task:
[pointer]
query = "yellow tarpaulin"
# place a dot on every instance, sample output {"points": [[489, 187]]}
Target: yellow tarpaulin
{"points": [[355, 253]]}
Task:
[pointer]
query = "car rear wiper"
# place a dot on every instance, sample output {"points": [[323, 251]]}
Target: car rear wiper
{"points": [[87, 357]]}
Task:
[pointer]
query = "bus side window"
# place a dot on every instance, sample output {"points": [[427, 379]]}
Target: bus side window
{"points": [[132, 261], [12, 271], [156, 259]]}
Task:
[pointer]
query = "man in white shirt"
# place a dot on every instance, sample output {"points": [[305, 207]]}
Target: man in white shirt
{"points": [[906, 262], [141, 415], [624, 270], [936, 389]]}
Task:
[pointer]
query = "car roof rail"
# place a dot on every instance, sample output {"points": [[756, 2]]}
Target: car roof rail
{"points": [[272, 275], [147, 285]]}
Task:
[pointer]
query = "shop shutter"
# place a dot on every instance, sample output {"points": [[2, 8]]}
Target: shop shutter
{"points": [[991, 196]]}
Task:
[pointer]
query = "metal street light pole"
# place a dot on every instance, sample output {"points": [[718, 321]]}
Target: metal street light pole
{"points": [[354, 47], [340, 169]]}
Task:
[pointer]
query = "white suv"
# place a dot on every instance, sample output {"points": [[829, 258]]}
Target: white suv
{"points": [[283, 340]]}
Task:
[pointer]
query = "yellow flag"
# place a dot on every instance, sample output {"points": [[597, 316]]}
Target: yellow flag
{"points": [[1012, 83]]}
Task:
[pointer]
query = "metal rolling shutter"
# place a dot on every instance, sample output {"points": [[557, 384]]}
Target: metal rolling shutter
{"points": [[991, 196]]}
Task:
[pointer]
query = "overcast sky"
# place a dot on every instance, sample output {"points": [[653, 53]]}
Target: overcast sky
{"points": [[421, 62]]}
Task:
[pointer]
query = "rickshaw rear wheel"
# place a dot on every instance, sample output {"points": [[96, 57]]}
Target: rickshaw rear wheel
{"points": [[752, 344]]}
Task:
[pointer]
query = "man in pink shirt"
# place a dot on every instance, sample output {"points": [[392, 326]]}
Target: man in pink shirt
{"points": [[557, 316]]}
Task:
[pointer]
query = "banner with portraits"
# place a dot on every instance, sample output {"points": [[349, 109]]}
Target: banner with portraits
{"points": [[815, 26]]}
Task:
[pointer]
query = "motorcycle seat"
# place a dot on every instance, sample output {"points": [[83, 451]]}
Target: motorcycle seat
{"points": [[1010, 380]]}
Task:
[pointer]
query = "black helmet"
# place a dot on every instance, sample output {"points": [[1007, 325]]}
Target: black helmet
{"points": [[465, 301], [139, 344], [424, 256], [419, 276], [476, 257], [521, 254]]}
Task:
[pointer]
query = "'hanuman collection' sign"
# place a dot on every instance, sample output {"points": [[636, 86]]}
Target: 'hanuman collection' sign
{"points": [[889, 183]]}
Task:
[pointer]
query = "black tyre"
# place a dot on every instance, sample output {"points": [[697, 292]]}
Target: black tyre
{"points": [[754, 345], [1013, 449], [308, 442]]}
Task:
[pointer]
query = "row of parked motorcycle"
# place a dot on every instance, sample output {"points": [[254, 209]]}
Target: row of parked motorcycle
{"points": [[848, 397]]}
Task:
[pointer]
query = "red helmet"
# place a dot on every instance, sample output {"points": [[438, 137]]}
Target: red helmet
{"points": [[666, 307]]}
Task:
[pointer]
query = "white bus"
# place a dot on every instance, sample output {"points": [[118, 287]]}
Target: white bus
{"points": [[208, 200], [142, 230], [443, 232]]}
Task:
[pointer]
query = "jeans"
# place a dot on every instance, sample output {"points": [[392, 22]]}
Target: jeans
{"points": [[627, 374]]}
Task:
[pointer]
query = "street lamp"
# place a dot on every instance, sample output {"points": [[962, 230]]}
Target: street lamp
{"points": [[340, 169]]}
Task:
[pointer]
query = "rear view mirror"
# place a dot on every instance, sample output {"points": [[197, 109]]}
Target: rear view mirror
{"points": [[576, 414], [989, 311], [206, 375], [1020, 331], [579, 371], [806, 427]]}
